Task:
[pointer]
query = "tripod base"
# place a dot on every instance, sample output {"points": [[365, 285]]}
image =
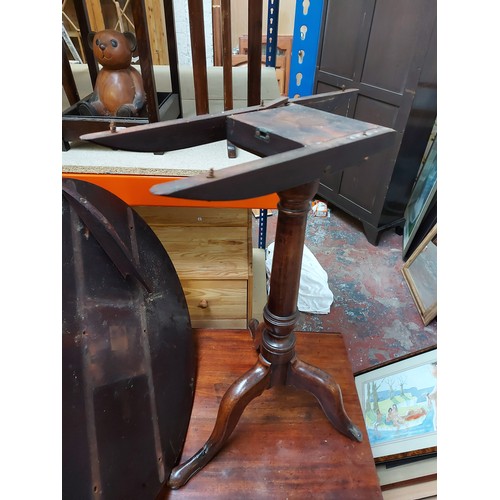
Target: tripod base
{"points": [[264, 375]]}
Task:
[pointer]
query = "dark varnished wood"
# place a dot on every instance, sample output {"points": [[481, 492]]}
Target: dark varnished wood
{"points": [[145, 59], [283, 446], [239, 395], [278, 364], [328, 393], [198, 51], [173, 59], [227, 66], [254, 51], [84, 25], [68, 79], [322, 142]]}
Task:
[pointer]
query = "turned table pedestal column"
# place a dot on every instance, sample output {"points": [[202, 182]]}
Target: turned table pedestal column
{"points": [[275, 340]]}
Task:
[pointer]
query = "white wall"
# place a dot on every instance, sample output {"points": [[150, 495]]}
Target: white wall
{"points": [[181, 13]]}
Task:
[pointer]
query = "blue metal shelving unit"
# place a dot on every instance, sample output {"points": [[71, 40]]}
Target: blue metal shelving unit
{"points": [[307, 29]]}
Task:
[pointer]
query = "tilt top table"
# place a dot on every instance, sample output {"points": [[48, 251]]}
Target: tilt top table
{"points": [[298, 142]]}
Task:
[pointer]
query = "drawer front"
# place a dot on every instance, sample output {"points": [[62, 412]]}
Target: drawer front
{"points": [[216, 303], [190, 216], [206, 252]]}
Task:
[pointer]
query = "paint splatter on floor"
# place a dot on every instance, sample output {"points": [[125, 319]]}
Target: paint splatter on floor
{"points": [[372, 307]]}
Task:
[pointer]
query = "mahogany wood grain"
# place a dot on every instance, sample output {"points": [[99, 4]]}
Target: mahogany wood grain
{"points": [[217, 32], [277, 364], [173, 59], [254, 51], [283, 446], [84, 25], [68, 79], [145, 59], [227, 66], [197, 31]]}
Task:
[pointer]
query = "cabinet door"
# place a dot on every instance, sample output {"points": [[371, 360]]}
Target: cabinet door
{"points": [[378, 47]]}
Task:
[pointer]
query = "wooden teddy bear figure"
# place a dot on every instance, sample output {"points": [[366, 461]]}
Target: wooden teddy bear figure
{"points": [[118, 90]]}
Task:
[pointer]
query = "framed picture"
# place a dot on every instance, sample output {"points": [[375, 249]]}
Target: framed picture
{"points": [[420, 273], [399, 403], [422, 197]]}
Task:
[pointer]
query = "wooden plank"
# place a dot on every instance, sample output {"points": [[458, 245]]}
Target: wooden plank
{"points": [[254, 51], [85, 28], [227, 63], [198, 50], [206, 252], [283, 446], [156, 30], [68, 79], [217, 32], [96, 19], [191, 216], [173, 61], [145, 60]]}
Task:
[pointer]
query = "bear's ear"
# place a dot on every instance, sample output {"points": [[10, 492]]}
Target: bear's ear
{"points": [[90, 39], [132, 42]]}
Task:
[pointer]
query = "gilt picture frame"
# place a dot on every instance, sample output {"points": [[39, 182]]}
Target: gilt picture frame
{"points": [[399, 404], [420, 274]]}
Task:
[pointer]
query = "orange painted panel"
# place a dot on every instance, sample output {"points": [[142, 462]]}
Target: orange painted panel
{"points": [[134, 190]]}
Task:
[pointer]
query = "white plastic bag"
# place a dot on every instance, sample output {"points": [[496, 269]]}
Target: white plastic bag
{"points": [[314, 294]]}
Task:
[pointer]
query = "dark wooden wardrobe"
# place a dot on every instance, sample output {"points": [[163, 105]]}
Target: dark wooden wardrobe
{"points": [[387, 50]]}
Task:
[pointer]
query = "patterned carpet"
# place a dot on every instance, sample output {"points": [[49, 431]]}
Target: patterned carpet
{"points": [[372, 305]]}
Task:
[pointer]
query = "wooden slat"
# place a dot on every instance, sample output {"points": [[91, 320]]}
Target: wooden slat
{"points": [[156, 29], [208, 252], [84, 25], [283, 446], [94, 10], [145, 60], [68, 80], [217, 32], [254, 51], [173, 60], [198, 50], [191, 216], [227, 70]]}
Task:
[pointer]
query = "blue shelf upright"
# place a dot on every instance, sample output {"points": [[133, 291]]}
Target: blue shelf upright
{"points": [[273, 8], [307, 29]]}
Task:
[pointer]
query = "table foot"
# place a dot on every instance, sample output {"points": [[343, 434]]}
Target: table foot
{"points": [[324, 388], [252, 384]]}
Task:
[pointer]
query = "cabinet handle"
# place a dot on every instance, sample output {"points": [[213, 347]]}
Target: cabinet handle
{"points": [[203, 304]]}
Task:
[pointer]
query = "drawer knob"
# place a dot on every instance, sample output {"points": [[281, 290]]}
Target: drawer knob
{"points": [[203, 304]]}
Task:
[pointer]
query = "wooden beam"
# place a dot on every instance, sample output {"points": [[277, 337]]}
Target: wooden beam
{"points": [[84, 24], [198, 51], [173, 60], [68, 79], [95, 17], [156, 29], [145, 60], [217, 32], [254, 51], [227, 62]]}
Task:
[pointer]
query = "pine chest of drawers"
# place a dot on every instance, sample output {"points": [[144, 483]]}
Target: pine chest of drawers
{"points": [[211, 250]]}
